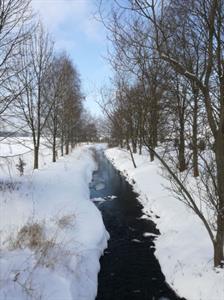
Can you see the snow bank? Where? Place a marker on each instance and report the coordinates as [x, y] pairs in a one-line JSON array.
[[183, 248], [52, 235]]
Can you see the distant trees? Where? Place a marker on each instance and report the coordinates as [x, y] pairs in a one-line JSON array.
[[168, 58], [72, 107], [40, 91], [54, 93], [63, 94], [52, 100], [87, 129]]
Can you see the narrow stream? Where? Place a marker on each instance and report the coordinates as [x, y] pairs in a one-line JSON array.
[[129, 269]]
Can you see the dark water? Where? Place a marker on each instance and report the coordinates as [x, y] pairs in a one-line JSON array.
[[129, 269]]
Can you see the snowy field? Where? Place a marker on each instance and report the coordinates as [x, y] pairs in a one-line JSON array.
[[52, 235], [183, 248]]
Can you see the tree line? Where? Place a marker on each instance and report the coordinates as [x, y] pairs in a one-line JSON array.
[[168, 96], [40, 89]]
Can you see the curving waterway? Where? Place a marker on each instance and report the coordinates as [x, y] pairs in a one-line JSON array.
[[129, 268]]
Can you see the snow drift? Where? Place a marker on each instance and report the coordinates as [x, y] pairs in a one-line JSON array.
[[52, 235]]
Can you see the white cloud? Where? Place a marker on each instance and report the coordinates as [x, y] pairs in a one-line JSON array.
[[72, 14]]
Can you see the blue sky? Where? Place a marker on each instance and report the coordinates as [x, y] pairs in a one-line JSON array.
[[74, 29]]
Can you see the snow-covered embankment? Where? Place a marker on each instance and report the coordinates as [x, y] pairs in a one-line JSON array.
[[52, 235], [183, 248]]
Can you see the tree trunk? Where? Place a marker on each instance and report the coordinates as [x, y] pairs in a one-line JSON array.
[[195, 134], [152, 156], [151, 149], [181, 150], [134, 146], [140, 146], [62, 145], [132, 157], [195, 161], [54, 150], [155, 127], [219, 243], [36, 157], [67, 148], [121, 143]]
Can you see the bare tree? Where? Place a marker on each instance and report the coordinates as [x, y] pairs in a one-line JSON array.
[[15, 28], [187, 36], [207, 19], [36, 55], [72, 106], [55, 89]]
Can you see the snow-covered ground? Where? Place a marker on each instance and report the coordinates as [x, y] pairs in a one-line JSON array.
[[183, 248], [52, 235]]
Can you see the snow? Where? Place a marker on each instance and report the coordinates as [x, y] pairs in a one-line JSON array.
[[149, 234], [136, 240], [184, 249], [72, 237], [100, 186]]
